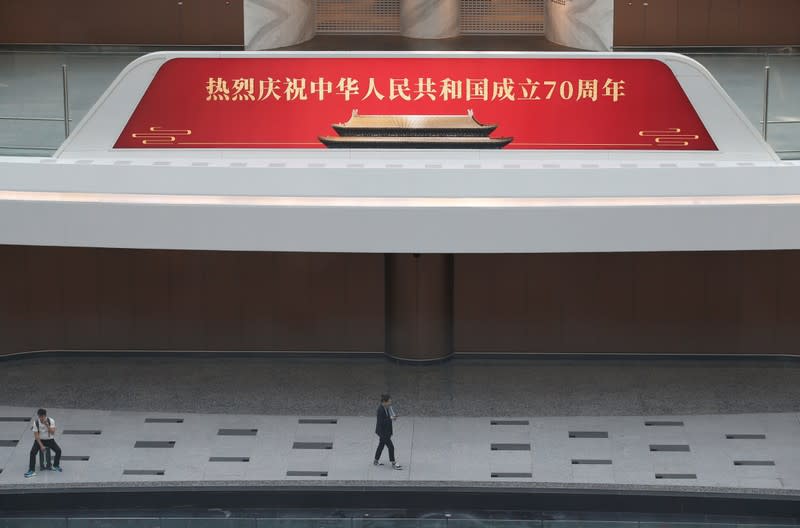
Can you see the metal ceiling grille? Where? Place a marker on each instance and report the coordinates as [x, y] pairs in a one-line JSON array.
[[502, 17], [358, 16]]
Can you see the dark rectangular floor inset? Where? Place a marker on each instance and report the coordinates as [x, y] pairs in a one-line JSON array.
[[510, 447], [82, 432], [676, 476], [670, 447], [588, 434], [9, 443], [510, 422], [15, 418], [143, 472], [229, 459], [163, 420], [590, 461], [76, 458], [663, 423], [753, 462], [164, 444], [326, 421], [746, 436], [512, 475], [292, 473], [312, 445], [237, 432]]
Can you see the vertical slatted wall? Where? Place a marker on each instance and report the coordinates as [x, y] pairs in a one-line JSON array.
[[358, 16], [502, 17]]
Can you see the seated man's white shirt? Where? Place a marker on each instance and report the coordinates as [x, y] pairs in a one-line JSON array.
[[43, 428]]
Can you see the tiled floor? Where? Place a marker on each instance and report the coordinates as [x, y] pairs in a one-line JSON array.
[[462, 387], [700, 450]]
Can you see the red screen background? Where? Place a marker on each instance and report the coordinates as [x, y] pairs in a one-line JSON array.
[[654, 105]]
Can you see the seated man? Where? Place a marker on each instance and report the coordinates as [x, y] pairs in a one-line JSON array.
[[44, 430]]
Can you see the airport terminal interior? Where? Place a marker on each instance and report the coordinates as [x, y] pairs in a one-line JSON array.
[[546, 251]]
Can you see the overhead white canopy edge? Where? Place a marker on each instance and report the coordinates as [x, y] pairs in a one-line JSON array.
[[739, 198]]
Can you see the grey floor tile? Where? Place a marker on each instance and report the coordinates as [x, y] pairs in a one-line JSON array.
[[431, 449], [351, 468], [760, 483], [267, 466], [276, 386], [430, 465], [592, 474]]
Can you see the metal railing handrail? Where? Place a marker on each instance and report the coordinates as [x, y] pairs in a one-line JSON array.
[[445, 519], [23, 118], [27, 147], [765, 119], [65, 86], [765, 122], [783, 122]]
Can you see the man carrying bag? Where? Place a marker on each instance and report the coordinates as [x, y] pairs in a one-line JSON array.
[[44, 430], [383, 428]]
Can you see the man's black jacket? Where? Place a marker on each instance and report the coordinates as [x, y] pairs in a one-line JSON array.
[[383, 426]]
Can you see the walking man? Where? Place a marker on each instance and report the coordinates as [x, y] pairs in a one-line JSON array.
[[383, 428], [44, 431]]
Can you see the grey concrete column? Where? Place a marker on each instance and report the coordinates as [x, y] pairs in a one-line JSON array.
[[430, 19], [277, 23], [419, 307], [581, 24]]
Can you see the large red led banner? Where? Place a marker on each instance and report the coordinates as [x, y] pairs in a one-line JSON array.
[[426, 102]]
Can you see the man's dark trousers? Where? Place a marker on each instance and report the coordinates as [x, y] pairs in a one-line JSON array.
[[35, 449], [385, 441]]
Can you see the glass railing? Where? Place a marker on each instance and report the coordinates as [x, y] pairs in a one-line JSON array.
[[38, 90], [763, 85], [36, 94]]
